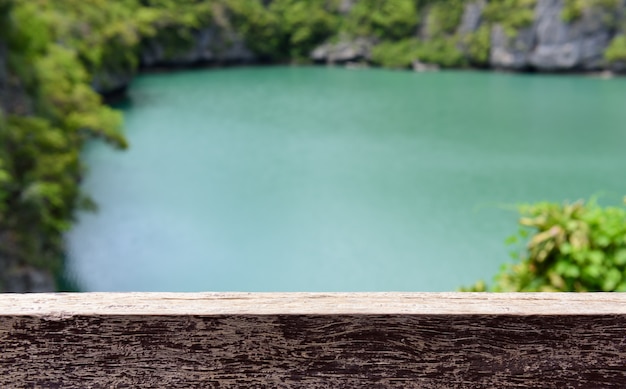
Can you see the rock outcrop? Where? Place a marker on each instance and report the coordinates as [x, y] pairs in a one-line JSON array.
[[345, 51], [219, 45], [554, 44], [213, 44], [472, 17], [550, 42], [511, 52]]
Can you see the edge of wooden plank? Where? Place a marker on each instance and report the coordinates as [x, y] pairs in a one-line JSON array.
[[59, 305]]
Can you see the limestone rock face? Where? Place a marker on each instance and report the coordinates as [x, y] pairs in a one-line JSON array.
[[561, 46], [553, 44], [511, 52], [472, 17], [17, 277], [28, 279], [346, 6], [419, 66], [111, 81], [211, 44], [358, 49]]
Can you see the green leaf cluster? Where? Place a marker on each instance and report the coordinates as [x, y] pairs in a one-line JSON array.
[[478, 45], [440, 47], [616, 52], [286, 29], [511, 14], [40, 167], [386, 20], [444, 17], [573, 9], [401, 54], [568, 247]]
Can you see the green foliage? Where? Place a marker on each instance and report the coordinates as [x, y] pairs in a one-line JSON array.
[[511, 14], [444, 17], [286, 29], [571, 247], [39, 159], [387, 20], [440, 47], [477, 45], [5, 176], [616, 52], [172, 22], [396, 54], [573, 9], [401, 54]]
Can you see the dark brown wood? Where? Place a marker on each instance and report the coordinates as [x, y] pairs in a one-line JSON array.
[[64, 341]]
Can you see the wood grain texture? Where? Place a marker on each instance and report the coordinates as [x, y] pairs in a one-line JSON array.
[[383, 340]]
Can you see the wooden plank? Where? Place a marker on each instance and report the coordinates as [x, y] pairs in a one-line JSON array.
[[305, 340], [51, 304]]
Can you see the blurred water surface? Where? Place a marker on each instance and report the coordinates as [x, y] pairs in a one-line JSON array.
[[326, 179]]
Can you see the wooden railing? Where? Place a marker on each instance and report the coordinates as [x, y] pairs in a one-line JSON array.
[[308, 340]]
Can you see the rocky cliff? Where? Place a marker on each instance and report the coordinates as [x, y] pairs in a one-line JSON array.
[[557, 36], [517, 35], [552, 43]]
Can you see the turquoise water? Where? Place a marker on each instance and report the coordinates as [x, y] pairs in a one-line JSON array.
[[326, 179]]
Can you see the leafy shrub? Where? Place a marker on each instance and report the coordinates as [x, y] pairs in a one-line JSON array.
[[570, 247], [387, 20], [444, 18], [511, 14], [401, 54], [396, 54], [286, 29], [616, 52], [477, 45], [573, 9], [39, 150]]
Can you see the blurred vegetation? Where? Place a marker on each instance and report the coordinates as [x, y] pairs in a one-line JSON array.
[[574, 9], [478, 45], [286, 29], [570, 247], [402, 54], [54, 112], [385, 20], [511, 14], [616, 52], [439, 46], [55, 50]]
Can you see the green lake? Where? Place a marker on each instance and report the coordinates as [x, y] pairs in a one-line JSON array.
[[327, 179]]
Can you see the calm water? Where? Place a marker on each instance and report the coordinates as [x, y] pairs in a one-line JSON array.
[[320, 179]]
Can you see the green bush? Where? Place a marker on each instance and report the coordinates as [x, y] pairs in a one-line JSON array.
[[570, 247], [573, 9], [400, 54], [477, 45], [443, 52], [444, 18], [40, 167], [286, 29], [387, 20], [511, 14], [616, 52]]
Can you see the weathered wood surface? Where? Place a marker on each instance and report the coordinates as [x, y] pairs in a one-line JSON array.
[[304, 340]]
